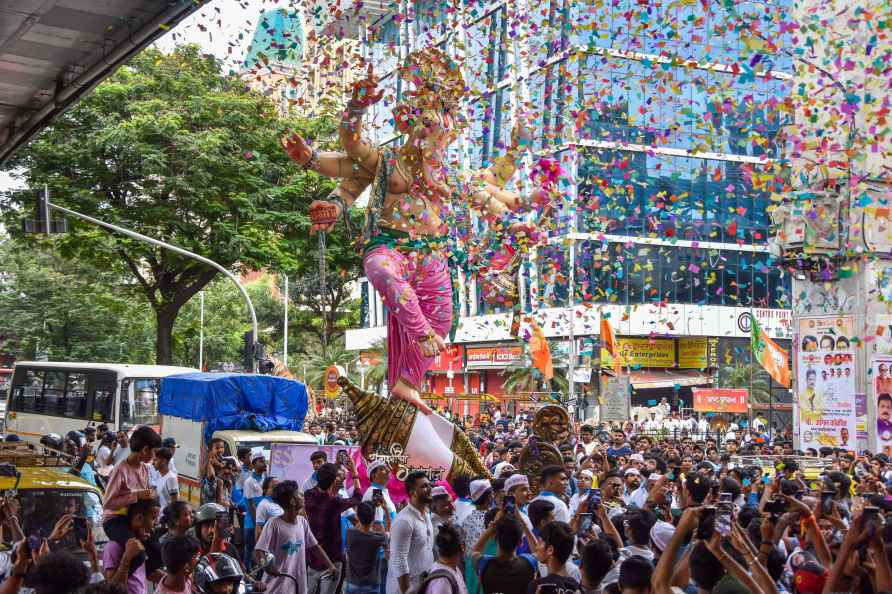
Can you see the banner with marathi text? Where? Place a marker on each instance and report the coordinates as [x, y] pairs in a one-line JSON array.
[[730, 400]]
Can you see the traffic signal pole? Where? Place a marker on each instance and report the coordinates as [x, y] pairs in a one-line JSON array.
[[172, 248]]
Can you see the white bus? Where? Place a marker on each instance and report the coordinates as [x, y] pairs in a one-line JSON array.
[[47, 397]]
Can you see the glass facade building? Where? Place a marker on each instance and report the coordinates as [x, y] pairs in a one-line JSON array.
[[665, 115]]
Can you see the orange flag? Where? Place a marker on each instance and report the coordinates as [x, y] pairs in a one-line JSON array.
[[608, 341], [771, 356], [540, 352]]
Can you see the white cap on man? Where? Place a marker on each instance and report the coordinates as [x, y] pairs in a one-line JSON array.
[[440, 491], [479, 488], [375, 465], [515, 480]]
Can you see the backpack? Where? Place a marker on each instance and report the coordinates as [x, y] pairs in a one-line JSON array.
[[485, 559], [439, 573]]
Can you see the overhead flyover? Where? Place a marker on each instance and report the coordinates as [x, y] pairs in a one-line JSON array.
[[53, 52]]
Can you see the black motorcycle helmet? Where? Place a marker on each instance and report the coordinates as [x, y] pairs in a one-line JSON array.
[[214, 568]]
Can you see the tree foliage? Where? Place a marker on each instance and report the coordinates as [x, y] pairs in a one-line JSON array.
[[171, 147], [521, 376], [69, 310], [752, 377]]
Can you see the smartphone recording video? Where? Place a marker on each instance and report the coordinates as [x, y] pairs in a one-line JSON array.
[[723, 512], [509, 504]]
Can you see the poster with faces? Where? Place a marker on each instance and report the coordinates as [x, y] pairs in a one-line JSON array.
[[826, 396], [881, 381]]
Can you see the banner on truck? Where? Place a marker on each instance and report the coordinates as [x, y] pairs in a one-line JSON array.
[[291, 461], [826, 396]]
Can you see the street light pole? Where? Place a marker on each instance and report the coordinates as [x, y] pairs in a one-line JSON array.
[[285, 329], [201, 331], [178, 250]]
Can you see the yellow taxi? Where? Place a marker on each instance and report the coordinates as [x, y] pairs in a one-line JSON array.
[[39, 489]]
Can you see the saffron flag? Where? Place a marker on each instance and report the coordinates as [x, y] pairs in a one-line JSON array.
[[608, 341], [540, 352], [770, 356]]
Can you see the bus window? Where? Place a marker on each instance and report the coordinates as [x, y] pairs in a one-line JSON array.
[[53, 393], [76, 396], [27, 387], [139, 401], [103, 403]]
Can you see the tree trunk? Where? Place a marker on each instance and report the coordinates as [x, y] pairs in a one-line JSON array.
[[164, 321]]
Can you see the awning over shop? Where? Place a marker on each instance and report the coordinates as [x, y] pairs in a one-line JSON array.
[[668, 378]]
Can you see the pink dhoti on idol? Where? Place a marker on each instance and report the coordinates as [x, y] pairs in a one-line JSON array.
[[414, 281], [416, 288]]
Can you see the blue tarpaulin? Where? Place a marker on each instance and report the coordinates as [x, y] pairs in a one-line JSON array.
[[235, 401]]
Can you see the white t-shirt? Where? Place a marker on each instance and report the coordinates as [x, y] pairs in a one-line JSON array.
[[561, 511], [120, 455], [267, 510], [253, 487], [441, 585], [102, 455], [165, 486]]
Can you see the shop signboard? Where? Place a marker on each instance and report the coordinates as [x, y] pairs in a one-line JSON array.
[[615, 398], [449, 359], [727, 400], [826, 398], [496, 356], [643, 352], [693, 353]]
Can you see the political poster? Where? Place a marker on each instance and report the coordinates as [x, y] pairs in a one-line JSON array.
[[881, 380], [828, 333], [826, 396], [615, 398]]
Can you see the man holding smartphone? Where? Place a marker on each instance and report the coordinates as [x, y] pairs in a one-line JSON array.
[[379, 476]]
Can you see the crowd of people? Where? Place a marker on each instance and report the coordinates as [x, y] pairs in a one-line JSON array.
[[626, 512]]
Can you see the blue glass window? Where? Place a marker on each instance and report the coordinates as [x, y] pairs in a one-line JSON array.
[[486, 52], [553, 267], [549, 29], [633, 274], [384, 38], [635, 193]]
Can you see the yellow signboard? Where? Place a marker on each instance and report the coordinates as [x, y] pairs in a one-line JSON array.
[[692, 353], [643, 352]]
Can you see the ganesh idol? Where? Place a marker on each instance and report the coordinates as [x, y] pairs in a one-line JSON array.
[[409, 238]]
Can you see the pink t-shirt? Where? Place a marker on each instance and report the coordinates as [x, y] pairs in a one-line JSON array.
[[288, 543], [111, 557], [162, 589], [123, 483]]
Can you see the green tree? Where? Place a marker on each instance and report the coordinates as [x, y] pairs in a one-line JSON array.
[[376, 374], [171, 147], [319, 359], [752, 377], [521, 376], [69, 310]]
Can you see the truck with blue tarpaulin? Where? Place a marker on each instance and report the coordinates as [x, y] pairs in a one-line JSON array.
[[244, 410]]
